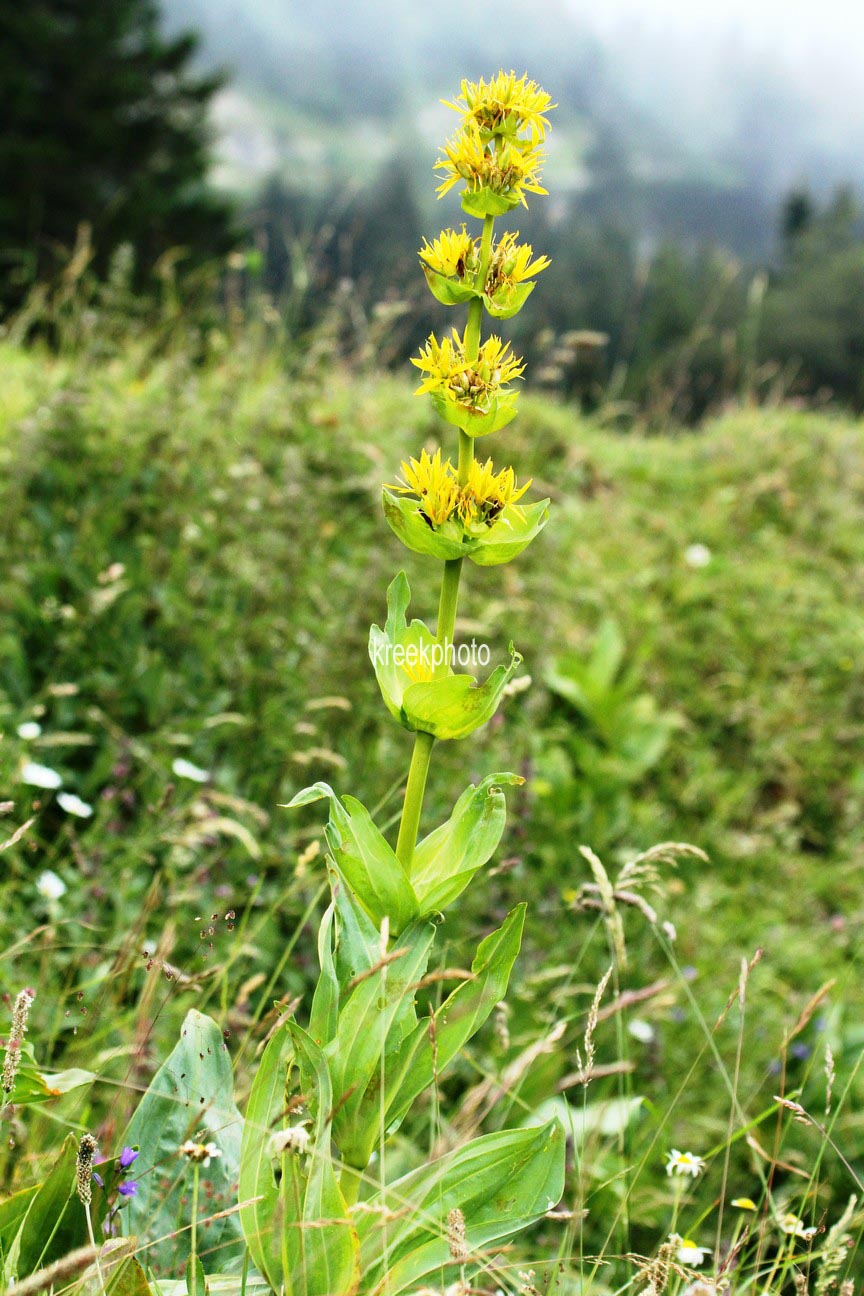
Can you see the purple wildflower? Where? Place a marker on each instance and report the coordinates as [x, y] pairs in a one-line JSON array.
[[128, 1188], [127, 1156]]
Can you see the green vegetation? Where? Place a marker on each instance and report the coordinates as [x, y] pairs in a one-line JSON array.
[[179, 537]]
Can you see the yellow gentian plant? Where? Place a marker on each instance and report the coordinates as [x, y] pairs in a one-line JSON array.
[[319, 1215]]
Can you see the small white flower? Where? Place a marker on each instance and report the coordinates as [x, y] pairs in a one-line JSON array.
[[697, 555], [690, 1254], [40, 776], [641, 1030], [294, 1139], [185, 769], [684, 1163], [50, 886], [201, 1153], [73, 805], [29, 730], [669, 930]]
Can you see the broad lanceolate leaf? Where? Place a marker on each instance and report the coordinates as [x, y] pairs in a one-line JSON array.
[[446, 861], [54, 1223], [293, 1213], [191, 1093], [501, 1183], [420, 1060], [364, 859], [374, 1020]]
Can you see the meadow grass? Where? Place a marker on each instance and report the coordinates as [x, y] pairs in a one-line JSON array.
[[178, 541]]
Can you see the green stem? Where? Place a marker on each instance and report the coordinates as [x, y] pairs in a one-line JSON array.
[[193, 1258], [413, 802], [475, 309], [349, 1182]]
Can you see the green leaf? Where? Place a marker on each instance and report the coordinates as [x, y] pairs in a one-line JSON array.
[[128, 1279], [446, 861], [191, 1093], [476, 423], [55, 1222], [447, 290], [406, 521], [456, 706], [446, 705], [32, 1085], [512, 532], [364, 859], [457, 1020], [324, 1013], [292, 1210], [196, 1279], [501, 1183], [483, 202], [12, 1211], [508, 301], [376, 1018]]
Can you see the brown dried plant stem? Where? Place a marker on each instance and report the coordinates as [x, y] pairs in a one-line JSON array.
[[420, 759]]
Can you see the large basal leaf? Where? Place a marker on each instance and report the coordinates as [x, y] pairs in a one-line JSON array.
[[457, 1020], [501, 1183], [191, 1093], [294, 1216], [364, 859], [373, 1022], [446, 861]]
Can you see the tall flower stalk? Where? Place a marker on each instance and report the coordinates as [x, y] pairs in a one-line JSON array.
[[317, 1219]]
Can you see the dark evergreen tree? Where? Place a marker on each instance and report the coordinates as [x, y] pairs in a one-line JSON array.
[[104, 123]]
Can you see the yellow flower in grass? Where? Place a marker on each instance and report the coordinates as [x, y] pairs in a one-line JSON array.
[[486, 493], [511, 263], [504, 105], [509, 169], [453, 253], [470, 383], [434, 483]]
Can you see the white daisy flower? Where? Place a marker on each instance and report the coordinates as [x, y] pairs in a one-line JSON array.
[[50, 886], [40, 776], [186, 770], [201, 1153], [29, 730], [684, 1163], [73, 805], [690, 1254]]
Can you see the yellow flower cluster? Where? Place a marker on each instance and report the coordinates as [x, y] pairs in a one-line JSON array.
[[436, 485], [498, 147], [504, 105], [472, 384], [510, 168]]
